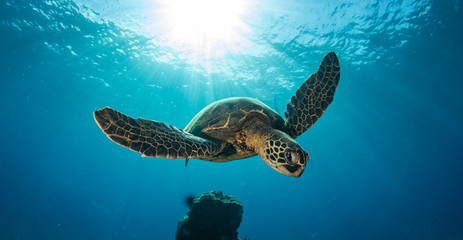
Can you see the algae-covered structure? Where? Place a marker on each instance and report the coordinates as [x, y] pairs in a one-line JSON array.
[[212, 216]]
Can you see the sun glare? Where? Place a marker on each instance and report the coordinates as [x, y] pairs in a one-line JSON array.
[[204, 27]]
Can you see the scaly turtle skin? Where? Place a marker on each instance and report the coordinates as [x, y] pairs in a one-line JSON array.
[[233, 128]]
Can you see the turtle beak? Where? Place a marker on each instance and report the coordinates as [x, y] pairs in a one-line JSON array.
[[294, 170], [297, 162]]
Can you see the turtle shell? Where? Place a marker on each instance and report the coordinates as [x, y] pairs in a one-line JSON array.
[[221, 120]]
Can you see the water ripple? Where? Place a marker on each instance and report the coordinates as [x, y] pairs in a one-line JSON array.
[[287, 38]]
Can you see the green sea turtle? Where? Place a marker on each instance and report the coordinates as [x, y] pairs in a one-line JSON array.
[[233, 128]]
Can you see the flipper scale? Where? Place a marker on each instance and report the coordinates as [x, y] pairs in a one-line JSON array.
[[152, 138], [313, 97]]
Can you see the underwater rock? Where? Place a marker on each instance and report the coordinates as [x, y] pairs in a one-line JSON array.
[[212, 216]]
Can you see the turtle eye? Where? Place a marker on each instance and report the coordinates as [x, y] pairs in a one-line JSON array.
[[288, 155]]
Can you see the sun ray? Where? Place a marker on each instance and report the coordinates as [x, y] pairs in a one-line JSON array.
[[202, 30]]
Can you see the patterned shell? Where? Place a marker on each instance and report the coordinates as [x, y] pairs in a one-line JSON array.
[[223, 117]]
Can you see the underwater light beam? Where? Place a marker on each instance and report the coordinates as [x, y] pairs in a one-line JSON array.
[[203, 26]]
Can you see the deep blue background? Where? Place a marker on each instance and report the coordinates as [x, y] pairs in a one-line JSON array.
[[385, 162]]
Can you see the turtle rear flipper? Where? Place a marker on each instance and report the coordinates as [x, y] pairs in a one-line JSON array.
[[313, 97], [153, 139]]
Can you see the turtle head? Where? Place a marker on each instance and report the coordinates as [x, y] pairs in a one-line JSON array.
[[283, 154]]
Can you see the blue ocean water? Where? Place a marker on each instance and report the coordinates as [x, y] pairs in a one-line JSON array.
[[385, 159]]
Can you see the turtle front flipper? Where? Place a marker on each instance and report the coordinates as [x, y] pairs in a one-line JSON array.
[[153, 139], [313, 97]]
